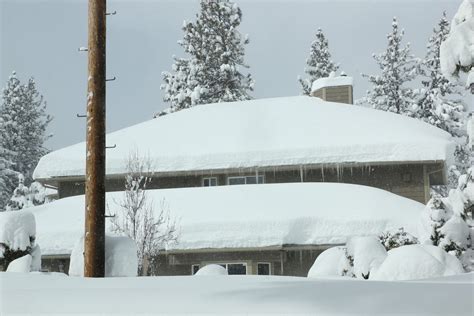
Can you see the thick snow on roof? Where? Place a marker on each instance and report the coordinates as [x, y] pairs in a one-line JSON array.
[[332, 82], [265, 132], [246, 216]]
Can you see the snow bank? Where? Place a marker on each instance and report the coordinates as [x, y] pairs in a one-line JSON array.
[[330, 262], [277, 132], [120, 257], [458, 48], [16, 229], [22, 265], [249, 215], [368, 254], [417, 262], [242, 295], [212, 269], [331, 82]]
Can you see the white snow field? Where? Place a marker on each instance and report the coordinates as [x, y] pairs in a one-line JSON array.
[[265, 132], [40, 294], [242, 216]]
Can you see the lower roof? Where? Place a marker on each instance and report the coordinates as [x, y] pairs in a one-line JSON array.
[[247, 216]]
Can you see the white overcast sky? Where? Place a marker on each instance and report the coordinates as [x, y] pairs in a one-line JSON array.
[[40, 38]]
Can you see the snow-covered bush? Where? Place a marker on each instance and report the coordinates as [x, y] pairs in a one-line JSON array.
[[331, 262], [394, 239], [120, 257], [367, 253], [25, 197], [416, 262], [22, 264], [17, 237], [211, 269]]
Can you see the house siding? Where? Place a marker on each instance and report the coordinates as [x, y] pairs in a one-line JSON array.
[[340, 94], [406, 180]]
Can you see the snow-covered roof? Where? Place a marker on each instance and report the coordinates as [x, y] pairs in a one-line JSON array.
[[262, 133], [331, 82], [248, 216]]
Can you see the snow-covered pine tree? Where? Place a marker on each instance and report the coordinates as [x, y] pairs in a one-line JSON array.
[[6, 175], [20, 196], [24, 117], [212, 72], [319, 63], [440, 103], [390, 91]]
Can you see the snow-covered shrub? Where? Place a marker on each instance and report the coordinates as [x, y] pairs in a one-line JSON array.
[[331, 262], [22, 264], [17, 235], [394, 239], [416, 262], [211, 269], [120, 257], [25, 197], [367, 253]]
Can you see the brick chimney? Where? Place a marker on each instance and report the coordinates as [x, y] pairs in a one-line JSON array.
[[334, 88]]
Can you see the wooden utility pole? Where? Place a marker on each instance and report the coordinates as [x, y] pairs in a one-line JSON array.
[[94, 239]]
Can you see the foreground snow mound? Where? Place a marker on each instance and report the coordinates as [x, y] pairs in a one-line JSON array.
[[368, 253], [212, 269], [330, 262], [17, 230], [120, 257], [22, 264], [417, 262]]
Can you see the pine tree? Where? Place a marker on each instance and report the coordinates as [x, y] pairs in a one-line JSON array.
[[212, 72], [319, 63], [6, 175], [440, 104], [24, 117], [399, 67]]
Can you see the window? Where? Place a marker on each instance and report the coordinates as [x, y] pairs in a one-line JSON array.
[[246, 180], [263, 268], [209, 182], [235, 268], [194, 269]]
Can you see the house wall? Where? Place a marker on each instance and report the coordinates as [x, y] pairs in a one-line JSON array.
[[410, 181], [340, 94]]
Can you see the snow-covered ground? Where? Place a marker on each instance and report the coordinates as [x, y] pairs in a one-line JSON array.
[[36, 294], [249, 215], [264, 132]]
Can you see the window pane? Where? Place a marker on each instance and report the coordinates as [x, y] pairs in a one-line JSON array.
[[263, 269], [236, 268], [195, 268], [205, 182], [251, 180], [213, 182], [239, 180], [261, 179]]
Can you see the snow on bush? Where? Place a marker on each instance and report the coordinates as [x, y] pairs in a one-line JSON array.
[[17, 231], [417, 262], [393, 239], [22, 264], [331, 262], [212, 269], [457, 51], [120, 257], [367, 253]]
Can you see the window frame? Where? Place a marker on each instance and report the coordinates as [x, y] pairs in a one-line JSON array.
[[269, 268], [226, 263], [262, 176]]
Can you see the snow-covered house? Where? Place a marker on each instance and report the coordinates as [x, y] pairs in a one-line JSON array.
[[279, 140]]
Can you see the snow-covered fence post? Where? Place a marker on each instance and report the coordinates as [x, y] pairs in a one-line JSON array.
[[94, 241]]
